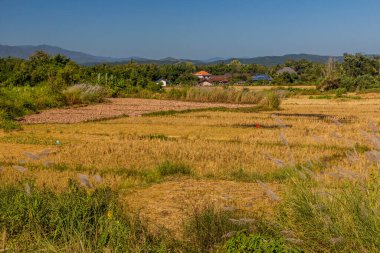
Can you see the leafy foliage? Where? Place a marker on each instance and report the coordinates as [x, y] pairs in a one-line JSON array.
[[243, 242]]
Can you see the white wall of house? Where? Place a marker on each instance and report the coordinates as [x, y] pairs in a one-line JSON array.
[[162, 82]]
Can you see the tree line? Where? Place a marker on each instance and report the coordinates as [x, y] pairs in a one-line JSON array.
[[355, 72]]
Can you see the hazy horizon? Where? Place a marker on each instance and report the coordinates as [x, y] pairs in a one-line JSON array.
[[194, 29], [209, 58]]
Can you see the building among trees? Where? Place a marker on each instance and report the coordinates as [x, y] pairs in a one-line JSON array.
[[287, 70], [262, 77], [202, 74]]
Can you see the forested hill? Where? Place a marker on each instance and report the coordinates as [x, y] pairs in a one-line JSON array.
[[277, 60], [24, 52]]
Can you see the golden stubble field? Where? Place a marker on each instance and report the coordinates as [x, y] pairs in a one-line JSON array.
[[226, 151]]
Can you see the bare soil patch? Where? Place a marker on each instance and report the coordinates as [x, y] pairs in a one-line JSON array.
[[169, 204], [116, 107]]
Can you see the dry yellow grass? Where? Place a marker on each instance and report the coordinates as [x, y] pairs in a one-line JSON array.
[[268, 87], [216, 145], [170, 203]]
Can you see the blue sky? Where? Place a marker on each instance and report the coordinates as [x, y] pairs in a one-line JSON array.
[[197, 29]]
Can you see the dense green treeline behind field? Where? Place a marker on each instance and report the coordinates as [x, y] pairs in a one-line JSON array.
[[355, 72]]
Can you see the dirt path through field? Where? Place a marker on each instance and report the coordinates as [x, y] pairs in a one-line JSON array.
[[116, 107]]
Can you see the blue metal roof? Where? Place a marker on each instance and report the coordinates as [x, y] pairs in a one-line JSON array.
[[261, 77]]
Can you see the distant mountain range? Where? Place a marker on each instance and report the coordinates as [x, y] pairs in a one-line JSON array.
[[87, 59]]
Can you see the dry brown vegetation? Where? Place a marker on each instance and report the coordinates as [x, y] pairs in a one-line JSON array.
[[116, 107], [227, 153]]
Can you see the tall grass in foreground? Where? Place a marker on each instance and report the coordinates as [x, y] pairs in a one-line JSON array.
[[336, 210], [78, 220], [343, 217]]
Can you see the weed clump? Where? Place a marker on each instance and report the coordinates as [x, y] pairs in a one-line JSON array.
[[84, 94], [343, 218], [245, 242], [271, 101], [9, 125], [209, 227], [168, 168]]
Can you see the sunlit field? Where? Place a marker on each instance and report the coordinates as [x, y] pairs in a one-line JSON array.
[[234, 160]]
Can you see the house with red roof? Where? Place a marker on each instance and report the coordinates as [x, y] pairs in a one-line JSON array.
[[202, 74]]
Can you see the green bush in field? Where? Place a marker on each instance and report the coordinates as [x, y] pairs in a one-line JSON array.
[[9, 125], [72, 221], [207, 228], [340, 92], [18, 101], [246, 243], [168, 168]]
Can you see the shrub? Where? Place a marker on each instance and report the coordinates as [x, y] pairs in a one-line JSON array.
[[348, 83], [271, 101], [243, 242], [365, 82], [168, 168], [84, 94], [339, 92], [18, 101], [9, 125], [208, 227]]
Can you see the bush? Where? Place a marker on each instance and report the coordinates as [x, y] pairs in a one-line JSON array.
[[329, 84], [168, 168], [84, 94], [243, 242], [9, 125], [18, 101], [366, 82], [271, 101], [208, 227], [348, 83], [339, 92], [286, 78]]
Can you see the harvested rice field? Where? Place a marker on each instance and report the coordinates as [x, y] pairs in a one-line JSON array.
[[233, 160], [116, 107]]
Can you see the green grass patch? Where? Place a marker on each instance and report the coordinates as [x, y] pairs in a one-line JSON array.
[[28, 139], [9, 125], [207, 228], [251, 109], [322, 97], [168, 168], [245, 242], [74, 221]]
